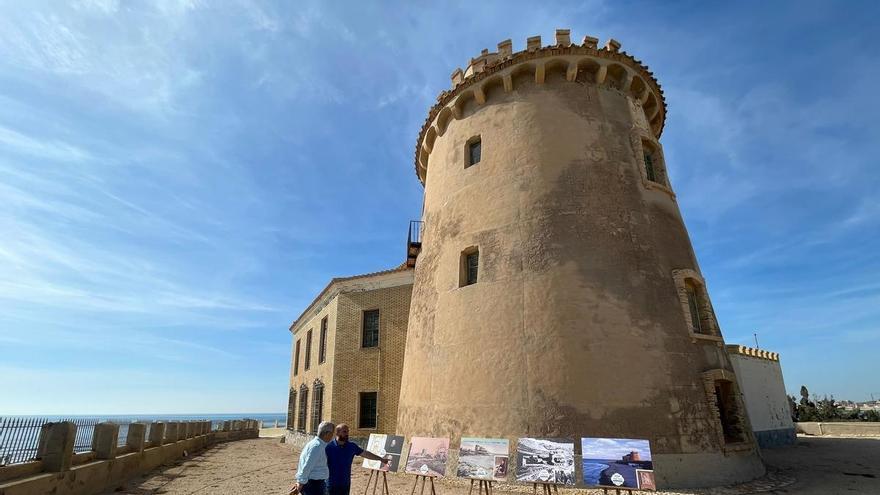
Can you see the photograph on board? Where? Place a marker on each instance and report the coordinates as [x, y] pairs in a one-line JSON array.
[[483, 458], [618, 463], [545, 460], [427, 456]]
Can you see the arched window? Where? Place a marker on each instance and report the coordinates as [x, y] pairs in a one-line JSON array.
[[654, 170], [303, 408], [291, 409], [317, 405], [696, 308]]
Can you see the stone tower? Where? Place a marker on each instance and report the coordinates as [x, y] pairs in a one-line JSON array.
[[557, 293]]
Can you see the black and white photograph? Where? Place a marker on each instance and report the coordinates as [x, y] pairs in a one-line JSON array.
[[545, 460], [483, 458]]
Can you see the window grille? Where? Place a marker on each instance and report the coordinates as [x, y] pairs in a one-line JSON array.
[[371, 328], [472, 262], [367, 416], [474, 152], [317, 405], [693, 304], [322, 343], [308, 360], [649, 168], [291, 409], [303, 408]]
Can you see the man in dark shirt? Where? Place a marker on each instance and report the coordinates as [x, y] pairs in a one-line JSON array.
[[340, 454]]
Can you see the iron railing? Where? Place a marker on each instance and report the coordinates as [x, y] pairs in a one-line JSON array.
[[19, 438], [415, 233]]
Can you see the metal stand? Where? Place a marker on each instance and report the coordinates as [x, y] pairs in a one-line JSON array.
[[548, 488], [485, 487], [628, 491], [424, 479], [374, 480]]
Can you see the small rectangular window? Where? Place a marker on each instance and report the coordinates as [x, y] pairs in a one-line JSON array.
[[474, 150], [470, 267], [370, 337], [308, 360], [367, 416], [296, 359], [696, 324], [322, 344], [649, 168]]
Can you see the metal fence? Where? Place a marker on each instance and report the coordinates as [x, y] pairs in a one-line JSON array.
[[19, 438]]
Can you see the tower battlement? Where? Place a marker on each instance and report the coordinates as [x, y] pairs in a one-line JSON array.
[[607, 67]]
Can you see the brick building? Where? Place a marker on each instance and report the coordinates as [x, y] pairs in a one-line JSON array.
[[347, 353]]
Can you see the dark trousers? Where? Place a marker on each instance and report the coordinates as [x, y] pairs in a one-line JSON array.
[[314, 487], [339, 489]]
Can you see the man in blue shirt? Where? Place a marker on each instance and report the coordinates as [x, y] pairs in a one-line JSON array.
[[312, 472], [340, 454]]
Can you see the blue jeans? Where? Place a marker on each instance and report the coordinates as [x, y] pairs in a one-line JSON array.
[[339, 489], [314, 487]]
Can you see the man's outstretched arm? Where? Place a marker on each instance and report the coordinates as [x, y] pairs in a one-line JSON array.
[[366, 454]]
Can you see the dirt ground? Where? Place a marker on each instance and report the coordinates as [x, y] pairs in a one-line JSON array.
[[826, 466]]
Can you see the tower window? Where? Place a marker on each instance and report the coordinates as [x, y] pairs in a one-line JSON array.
[[469, 269], [655, 171], [368, 410], [649, 167], [322, 343], [696, 308], [370, 330], [474, 151], [308, 360], [728, 412]]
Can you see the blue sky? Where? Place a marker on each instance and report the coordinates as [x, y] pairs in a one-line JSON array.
[[614, 448], [178, 179]]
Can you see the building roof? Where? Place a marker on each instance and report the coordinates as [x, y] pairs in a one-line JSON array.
[[334, 286]]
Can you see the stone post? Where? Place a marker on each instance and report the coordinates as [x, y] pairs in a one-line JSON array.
[[135, 438], [56, 446], [157, 434], [227, 425], [105, 440], [181, 430], [188, 429], [170, 432]]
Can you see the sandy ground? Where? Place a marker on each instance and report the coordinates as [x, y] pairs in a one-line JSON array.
[[826, 466]]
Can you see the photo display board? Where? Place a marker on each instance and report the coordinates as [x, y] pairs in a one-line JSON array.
[[427, 456], [483, 458], [545, 460], [618, 463], [390, 446]]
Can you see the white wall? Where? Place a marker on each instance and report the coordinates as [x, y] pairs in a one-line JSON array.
[[760, 381]]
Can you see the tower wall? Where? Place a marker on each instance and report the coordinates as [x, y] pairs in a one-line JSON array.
[[575, 326]]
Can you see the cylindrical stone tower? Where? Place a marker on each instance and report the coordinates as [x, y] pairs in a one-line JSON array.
[[557, 293]]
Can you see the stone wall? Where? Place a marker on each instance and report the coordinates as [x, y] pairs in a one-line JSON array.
[[759, 375], [107, 466], [317, 372], [375, 369], [848, 429]]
